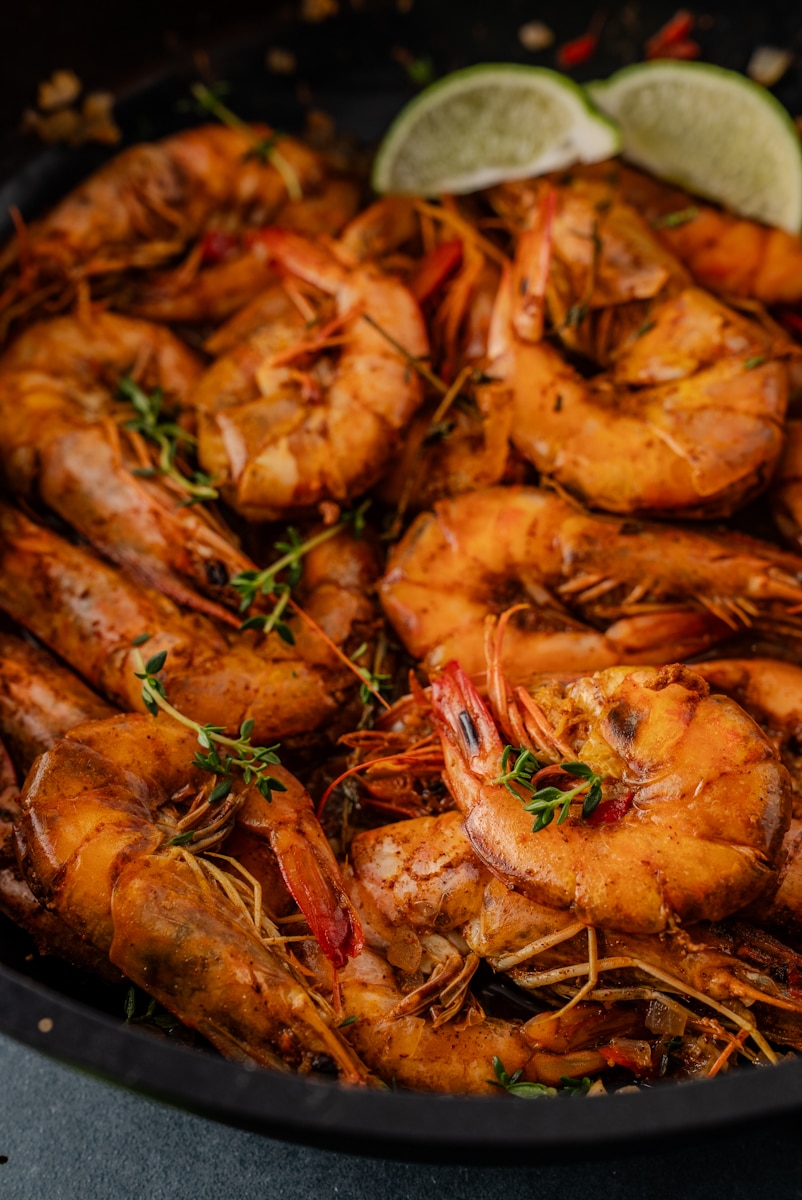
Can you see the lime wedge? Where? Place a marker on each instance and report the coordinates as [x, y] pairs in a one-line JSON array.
[[489, 123], [713, 132]]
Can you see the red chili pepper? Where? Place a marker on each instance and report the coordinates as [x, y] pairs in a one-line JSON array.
[[685, 49], [610, 811], [580, 50], [674, 34], [617, 1058], [435, 268], [794, 981], [215, 245]]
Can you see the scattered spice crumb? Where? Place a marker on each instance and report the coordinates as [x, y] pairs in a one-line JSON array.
[[60, 118], [61, 89], [280, 61], [3, 1159], [45, 1025], [318, 10], [535, 35], [768, 64], [320, 129]]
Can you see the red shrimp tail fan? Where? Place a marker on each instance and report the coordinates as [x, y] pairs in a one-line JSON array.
[[312, 877], [462, 716]]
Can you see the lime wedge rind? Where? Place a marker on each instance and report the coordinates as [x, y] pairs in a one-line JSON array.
[[711, 131], [488, 123]]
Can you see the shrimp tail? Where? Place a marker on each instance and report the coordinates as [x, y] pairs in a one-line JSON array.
[[306, 866]]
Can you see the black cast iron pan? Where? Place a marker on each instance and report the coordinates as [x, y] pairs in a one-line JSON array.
[[348, 65]]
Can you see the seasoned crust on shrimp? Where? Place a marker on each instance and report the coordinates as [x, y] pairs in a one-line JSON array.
[[675, 848], [292, 416], [652, 592], [685, 416]]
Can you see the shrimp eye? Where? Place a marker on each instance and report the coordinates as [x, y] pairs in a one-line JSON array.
[[469, 732]]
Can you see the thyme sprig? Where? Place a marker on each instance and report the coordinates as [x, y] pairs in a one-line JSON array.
[[263, 148], [168, 436], [515, 1085], [249, 585], [239, 754], [374, 680], [546, 802]]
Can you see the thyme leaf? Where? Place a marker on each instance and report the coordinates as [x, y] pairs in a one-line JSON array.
[[517, 1086], [225, 755], [278, 580], [264, 149], [547, 802], [167, 436]]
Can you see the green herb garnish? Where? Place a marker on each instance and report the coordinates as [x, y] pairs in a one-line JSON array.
[[238, 754], [757, 361], [546, 801], [168, 436], [264, 149], [374, 681], [575, 1087], [252, 584], [673, 220], [511, 1084]]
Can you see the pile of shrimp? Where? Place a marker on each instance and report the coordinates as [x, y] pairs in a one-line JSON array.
[[525, 665]]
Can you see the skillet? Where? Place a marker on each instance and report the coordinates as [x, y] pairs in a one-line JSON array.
[[348, 66]]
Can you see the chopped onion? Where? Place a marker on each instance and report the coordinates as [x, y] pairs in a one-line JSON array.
[[535, 35], [664, 1017], [768, 64]]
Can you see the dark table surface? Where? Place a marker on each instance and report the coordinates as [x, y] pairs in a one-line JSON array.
[[67, 1136]]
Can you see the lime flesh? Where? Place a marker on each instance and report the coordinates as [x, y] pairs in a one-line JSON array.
[[489, 123], [711, 131]]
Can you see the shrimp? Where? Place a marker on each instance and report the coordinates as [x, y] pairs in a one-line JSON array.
[[284, 423], [723, 252], [280, 843], [143, 207], [101, 859], [39, 700], [90, 614], [666, 846], [419, 882], [686, 415], [785, 496], [656, 592], [225, 271], [63, 441]]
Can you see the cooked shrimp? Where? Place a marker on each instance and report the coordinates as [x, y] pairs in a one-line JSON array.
[[90, 614], [63, 441], [286, 425], [101, 859], [225, 271], [280, 843], [667, 845], [39, 700], [420, 880], [142, 208], [786, 489], [656, 592], [687, 416], [723, 252]]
